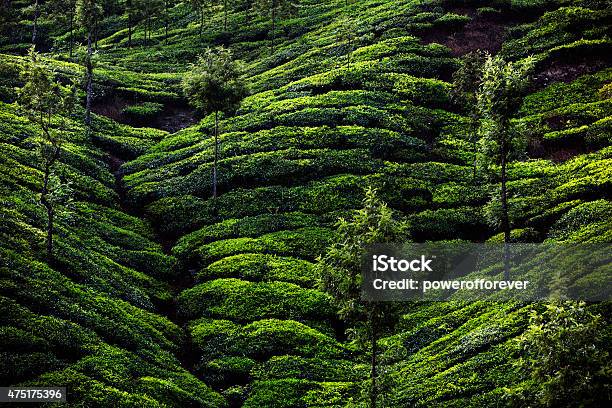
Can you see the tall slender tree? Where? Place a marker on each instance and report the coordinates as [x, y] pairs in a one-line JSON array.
[[166, 19], [41, 98], [277, 9], [214, 85], [199, 5], [131, 10], [340, 272], [346, 34], [150, 9], [466, 82], [499, 97], [225, 15], [36, 15], [88, 14], [63, 12]]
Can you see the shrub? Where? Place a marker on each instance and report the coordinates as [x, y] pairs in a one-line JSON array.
[[143, 111], [304, 242], [314, 369], [242, 227], [278, 393], [261, 267], [240, 300], [262, 339], [586, 222], [226, 370]]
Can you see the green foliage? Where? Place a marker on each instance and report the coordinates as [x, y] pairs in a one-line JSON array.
[[339, 268], [213, 84], [564, 358], [279, 393], [340, 272], [240, 300], [262, 267], [587, 222], [314, 369], [88, 13], [502, 89], [467, 79], [295, 156], [262, 339], [145, 110]]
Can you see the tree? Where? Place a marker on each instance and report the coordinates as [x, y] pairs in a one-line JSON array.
[[346, 33], [166, 19], [41, 97], [564, 358], [7, 16], [88, 13], [224, 15], [36, 14], [339, 270], [199, 6], [214, 85], [466, 82], [132, 10], [63, 11], [150, 8], [277, 8], [499, 98]]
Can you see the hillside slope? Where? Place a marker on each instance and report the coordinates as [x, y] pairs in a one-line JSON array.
[[162, 296]]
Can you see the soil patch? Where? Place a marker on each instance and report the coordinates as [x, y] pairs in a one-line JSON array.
[[483, 32], [480, 33], [173, 118], [568, 71]]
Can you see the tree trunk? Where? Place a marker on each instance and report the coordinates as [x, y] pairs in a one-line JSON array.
[[373, 373], [166, 23], [505, 221], [35, 28], [273, 21], [216, 155], [348, 55], [225, 15], [71, 34], [89, 85], [47, 204], [50, 223], [44, 199], [473, 135]]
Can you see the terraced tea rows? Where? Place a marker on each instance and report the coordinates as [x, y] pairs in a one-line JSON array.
[[164, 296]]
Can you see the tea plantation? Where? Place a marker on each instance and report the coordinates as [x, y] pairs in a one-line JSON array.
[[160, 295]]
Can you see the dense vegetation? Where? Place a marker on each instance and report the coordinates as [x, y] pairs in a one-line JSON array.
[[157, 292]]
